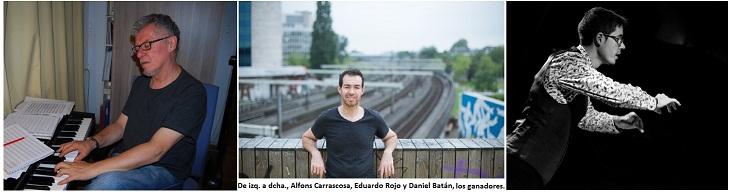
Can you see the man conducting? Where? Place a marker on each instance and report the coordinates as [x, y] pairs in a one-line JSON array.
[[350, 130], [561, 97], [159, 123]]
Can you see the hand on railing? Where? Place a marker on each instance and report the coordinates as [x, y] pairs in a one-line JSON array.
[[317, 166], [386, 168]]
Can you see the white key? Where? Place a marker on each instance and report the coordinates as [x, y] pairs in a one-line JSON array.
[[83, 129]]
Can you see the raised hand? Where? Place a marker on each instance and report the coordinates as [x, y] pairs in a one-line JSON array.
[[663, 101]]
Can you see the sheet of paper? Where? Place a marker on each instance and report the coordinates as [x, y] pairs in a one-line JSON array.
[[37, 106], [42, 126], [21, 149]]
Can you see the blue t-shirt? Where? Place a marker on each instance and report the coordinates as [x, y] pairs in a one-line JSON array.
[[349, 144]]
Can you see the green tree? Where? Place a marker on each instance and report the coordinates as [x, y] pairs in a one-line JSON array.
[[428, 53], [342, 49], [460, 65], [447, 59], [485, 77], [489, 70], [498, 58], [497, 54], [405, 55], [298, 59], [324, 41], [476, 58], [461, 46]]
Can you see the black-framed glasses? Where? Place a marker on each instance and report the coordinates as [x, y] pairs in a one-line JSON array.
[[619, 40], [146, 46]]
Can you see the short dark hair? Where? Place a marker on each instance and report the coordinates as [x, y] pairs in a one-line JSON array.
[[352, 72], [598, 19], [161, 21]]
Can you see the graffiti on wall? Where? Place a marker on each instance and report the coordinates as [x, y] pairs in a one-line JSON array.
[[480, 116]]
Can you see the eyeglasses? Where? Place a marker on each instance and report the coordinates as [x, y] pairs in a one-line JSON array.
[[619, 40], [146, 46]]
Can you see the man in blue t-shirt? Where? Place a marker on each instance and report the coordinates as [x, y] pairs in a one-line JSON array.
[[350, 131]]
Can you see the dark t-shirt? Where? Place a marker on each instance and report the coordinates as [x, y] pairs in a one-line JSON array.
[[349, 144], [180, 106]]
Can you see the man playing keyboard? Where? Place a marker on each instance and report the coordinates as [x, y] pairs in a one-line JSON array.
[[159, 123]]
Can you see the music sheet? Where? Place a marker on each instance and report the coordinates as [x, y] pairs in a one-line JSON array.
[[32, 105], [42, 126], [21, 149]]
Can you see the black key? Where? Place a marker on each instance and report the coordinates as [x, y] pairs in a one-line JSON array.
[[44, 140], [59, 141], [45, 171], [10, 183], [41, 178], [40, 183], [67, 134], [51, 157], [48, 181], [73, 122], [37, 187], [44, 168], [70, 128], [52, 161]]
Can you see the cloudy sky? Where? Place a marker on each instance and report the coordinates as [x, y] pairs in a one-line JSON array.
[[379, 27]]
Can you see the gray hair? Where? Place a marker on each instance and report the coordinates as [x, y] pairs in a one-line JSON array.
[[160, 20]]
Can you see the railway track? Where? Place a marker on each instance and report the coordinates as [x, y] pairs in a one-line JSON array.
[[418, 114]]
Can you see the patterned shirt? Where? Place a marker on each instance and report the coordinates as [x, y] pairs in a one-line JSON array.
[[570, 74]]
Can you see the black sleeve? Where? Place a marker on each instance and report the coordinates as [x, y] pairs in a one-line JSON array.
[[187, 116], [318, 128], [381, 128]]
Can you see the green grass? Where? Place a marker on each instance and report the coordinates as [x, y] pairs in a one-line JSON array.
[[499, 97], [457, 103]]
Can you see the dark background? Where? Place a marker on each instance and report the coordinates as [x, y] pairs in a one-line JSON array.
[[675, 48]]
